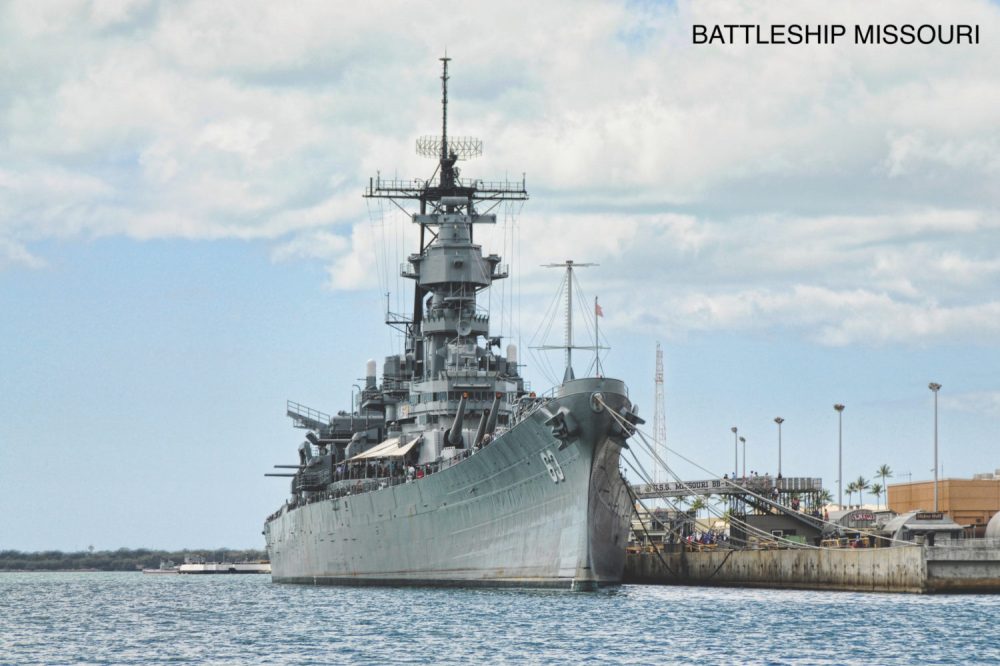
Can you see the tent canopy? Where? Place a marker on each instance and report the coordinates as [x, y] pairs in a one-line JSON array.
[[921, 521], [390, 448]]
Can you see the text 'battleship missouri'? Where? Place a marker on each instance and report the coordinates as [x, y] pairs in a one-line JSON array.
[[450, 472]]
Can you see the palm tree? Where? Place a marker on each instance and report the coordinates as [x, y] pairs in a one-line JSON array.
[[862, 484], [823, 498], [712, 509], [884, 472], [697, 505], [876, 491], [851, 488]]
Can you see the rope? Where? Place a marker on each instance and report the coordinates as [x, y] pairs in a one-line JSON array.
[[649, 538], [763, 498], [644, 475], [721, 564], [651, 450]]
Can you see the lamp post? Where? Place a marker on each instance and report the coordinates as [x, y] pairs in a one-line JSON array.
[[935, 388], [779, 421], [840, 454], [736, 452], [743, 441]]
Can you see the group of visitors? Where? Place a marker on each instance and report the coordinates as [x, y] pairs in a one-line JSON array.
[[382, 470], [706, 538]]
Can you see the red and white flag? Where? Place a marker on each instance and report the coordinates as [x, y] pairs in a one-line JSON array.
[[598, 312]]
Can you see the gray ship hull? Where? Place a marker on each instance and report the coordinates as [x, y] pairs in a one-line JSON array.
[[521, 511]]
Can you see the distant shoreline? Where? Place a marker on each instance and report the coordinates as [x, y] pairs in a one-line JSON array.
[[123, 559], [63, 571]]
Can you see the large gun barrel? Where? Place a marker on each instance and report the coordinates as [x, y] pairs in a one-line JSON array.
[[455, 434], [491, 425], [481, 430]]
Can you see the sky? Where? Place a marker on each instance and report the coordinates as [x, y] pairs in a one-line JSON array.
[[184, 245]]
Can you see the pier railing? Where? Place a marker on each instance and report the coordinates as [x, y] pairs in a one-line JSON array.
[[727, 486], [966, 544]]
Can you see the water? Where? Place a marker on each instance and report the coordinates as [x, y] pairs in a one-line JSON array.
[[124, 618]]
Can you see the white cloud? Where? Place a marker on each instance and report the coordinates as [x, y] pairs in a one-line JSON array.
[[826, 316], [913, 153], [355, 269], [847, 192], [13, 254], [920, 278], [315, 245], [108, 13], [68, 184], [975, 402], [242, 136]]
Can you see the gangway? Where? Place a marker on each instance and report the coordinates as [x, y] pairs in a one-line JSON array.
[[776, 507], [762, 485], [748, 499]]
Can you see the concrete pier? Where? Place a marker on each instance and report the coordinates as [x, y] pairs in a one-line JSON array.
[[917, 569]]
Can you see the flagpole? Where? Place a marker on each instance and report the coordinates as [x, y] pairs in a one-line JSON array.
[[597, 341]]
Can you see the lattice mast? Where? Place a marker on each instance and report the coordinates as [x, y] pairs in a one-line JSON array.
[[659, 420]]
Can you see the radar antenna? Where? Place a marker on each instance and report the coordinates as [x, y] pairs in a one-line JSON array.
[[440, 147], [462, 147]]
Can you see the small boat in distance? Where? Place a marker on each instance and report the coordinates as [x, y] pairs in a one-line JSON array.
[[198, 565], [166, 567]]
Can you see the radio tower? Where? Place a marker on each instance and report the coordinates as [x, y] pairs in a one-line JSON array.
[[659, 420]]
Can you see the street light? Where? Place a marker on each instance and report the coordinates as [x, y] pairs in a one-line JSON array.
[[736, 453], [779, 421], [743, 440], [935, 387], [840, 454]]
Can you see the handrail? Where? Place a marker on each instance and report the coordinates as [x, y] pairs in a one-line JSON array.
[[346, 487], [298, 409]]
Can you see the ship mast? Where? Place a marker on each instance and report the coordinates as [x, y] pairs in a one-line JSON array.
[[568, 346], [444, 109], [449, 208]]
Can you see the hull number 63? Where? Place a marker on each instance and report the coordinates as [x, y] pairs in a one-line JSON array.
[[551, 464]]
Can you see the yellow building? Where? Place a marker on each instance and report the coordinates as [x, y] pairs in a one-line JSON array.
[[968, 501]]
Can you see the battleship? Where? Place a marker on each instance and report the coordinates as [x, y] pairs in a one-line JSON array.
[[447, 470]]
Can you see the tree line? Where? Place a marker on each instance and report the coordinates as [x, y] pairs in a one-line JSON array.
[[123, 559]]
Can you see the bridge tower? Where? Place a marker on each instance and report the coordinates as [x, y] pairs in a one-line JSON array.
[[659, 421]]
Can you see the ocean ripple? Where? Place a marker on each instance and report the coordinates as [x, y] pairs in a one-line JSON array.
[[123, 618]]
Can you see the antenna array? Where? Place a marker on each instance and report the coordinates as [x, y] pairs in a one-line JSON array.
[[462, 147]]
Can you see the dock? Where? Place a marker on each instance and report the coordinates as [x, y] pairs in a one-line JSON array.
[[951, 567], [225, 568]]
